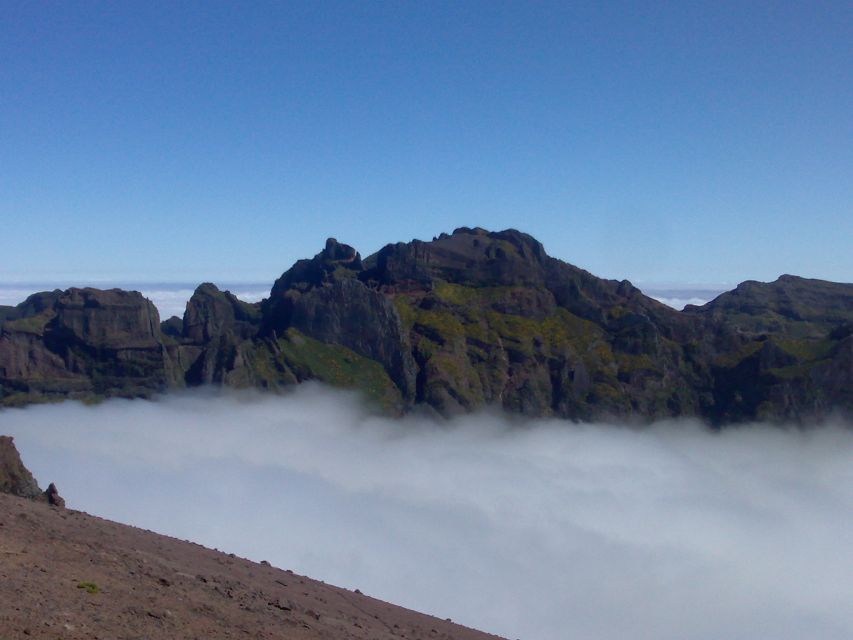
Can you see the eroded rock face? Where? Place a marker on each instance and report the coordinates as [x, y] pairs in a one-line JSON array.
[[82, 342], [335, 262], [113, 319], [493, 319], [217, 333], [211, 313], [347, 313], [324, 299]]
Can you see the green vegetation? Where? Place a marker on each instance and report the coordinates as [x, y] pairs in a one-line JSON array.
[[439, 325], [311, 359], [405, 308], [805, 349], [458, 294], [31, 324], [629, 362], [269, 371], [733, 358], [473, 340], [89, 587]]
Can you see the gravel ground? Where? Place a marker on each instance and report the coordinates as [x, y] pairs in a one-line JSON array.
[[66, 574]]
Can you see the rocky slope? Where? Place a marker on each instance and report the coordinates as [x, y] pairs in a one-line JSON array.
[[66, 574], [468, 320]]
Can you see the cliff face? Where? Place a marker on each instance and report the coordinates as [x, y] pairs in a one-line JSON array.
[[494, 320], [780, 349], [467, 320], [323, 299], [82, 343]]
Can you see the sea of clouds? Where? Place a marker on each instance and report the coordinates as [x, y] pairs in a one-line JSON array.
[[532, 529]]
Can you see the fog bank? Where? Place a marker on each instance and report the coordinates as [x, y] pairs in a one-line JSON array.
[[534, 530], [678, 298]]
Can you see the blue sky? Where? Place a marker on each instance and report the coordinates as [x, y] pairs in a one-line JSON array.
[[683, 142]]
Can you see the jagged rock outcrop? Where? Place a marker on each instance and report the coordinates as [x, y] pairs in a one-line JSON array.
[[323, 299], [468, 320], [16, 479], [335, 262], [211, 313], [216, 336], [51, 495]]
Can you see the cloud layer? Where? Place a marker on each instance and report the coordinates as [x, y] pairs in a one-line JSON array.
[[535, 530], [677, 298]]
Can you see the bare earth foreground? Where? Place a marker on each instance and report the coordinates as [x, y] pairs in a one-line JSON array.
[[67, 574]]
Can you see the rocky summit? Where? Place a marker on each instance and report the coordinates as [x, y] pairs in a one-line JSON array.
[[472, 319]]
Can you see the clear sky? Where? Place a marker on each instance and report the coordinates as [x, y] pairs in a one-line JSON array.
[[681, 142]]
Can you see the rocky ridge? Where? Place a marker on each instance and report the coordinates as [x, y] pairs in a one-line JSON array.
[[468, 320]]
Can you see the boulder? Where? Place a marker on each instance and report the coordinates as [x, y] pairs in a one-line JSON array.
[[51, 494]]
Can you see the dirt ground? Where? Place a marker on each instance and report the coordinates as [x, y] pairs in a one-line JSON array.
[[66, 574]]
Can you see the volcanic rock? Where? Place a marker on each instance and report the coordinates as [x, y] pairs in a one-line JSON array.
[[216, 335], [82, 343], [52, 496]]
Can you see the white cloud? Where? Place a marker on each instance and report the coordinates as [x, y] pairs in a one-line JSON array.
[[680, 303], [678, 297], [531, 529], [12, 296]]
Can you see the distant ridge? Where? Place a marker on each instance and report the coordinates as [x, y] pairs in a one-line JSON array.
[[468, 320]]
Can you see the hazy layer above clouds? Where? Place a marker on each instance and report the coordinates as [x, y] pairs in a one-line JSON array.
[[677, 298], [536, 530], [169, 298]]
